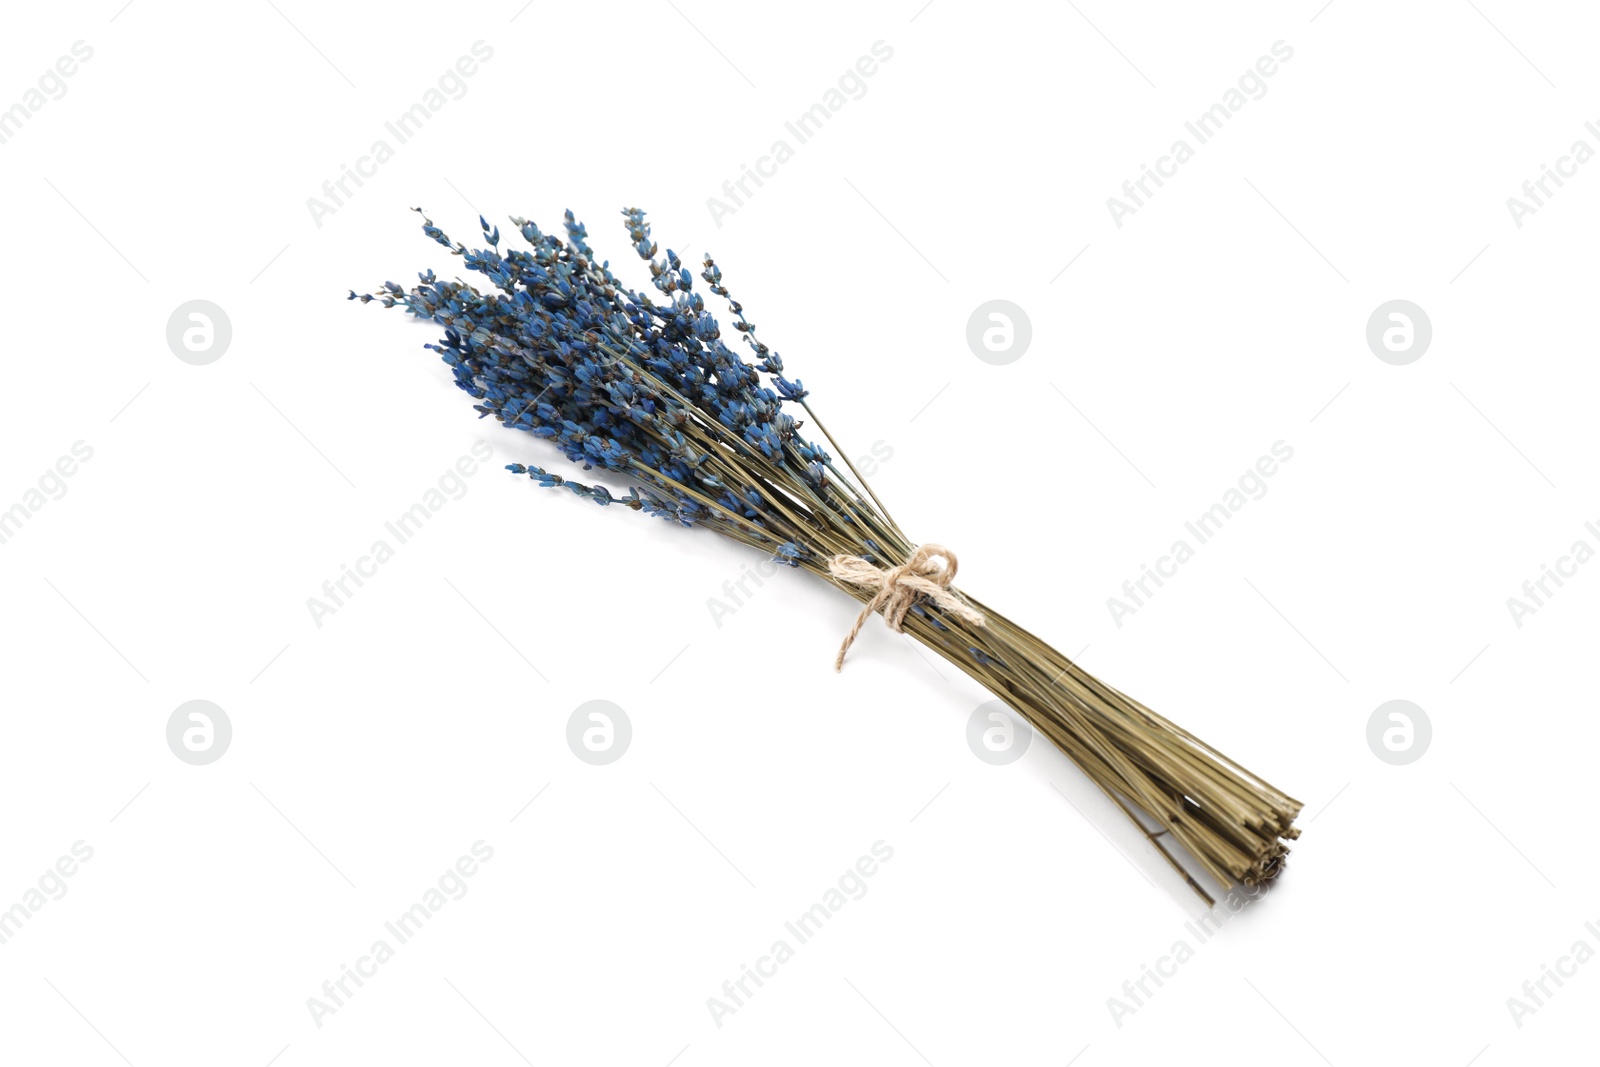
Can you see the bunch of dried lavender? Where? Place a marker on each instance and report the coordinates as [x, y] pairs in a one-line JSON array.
[[648, 390]]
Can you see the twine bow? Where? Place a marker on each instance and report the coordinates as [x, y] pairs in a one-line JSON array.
[[928, 573]]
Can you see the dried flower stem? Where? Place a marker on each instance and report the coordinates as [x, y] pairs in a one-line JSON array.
[[559, 348]]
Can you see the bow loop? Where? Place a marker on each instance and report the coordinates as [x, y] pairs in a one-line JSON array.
[[928, 573]]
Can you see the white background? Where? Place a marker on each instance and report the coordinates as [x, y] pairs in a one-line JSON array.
[[369, 753]]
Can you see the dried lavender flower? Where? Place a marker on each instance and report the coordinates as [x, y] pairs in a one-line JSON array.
[[647, 390]]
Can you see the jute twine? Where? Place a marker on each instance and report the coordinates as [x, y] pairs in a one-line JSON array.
[[928, 573]]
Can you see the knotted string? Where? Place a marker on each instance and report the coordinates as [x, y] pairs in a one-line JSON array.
[[928, 573]]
